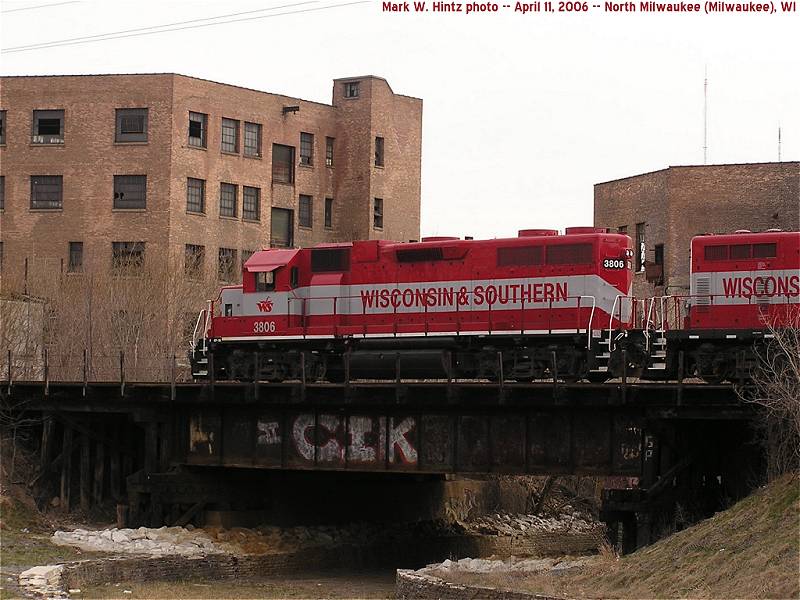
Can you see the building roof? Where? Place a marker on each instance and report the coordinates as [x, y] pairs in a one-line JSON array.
[[783, 163], [241, 87]]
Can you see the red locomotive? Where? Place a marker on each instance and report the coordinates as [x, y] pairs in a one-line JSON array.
[[520, 308], [539, 305], [743, 285]]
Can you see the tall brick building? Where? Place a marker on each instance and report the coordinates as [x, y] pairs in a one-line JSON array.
[[661, 211], [147, 167]]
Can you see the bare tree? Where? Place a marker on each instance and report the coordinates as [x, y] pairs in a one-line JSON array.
[[776, 388]]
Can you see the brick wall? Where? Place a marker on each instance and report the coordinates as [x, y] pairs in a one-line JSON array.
[[678, 203], [90, 158]]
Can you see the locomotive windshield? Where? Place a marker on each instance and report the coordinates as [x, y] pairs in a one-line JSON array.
[[265, 281]]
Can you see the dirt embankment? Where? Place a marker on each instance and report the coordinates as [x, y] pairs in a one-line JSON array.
[[751, 550]]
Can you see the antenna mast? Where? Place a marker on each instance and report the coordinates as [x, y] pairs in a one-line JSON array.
[[705, 116]]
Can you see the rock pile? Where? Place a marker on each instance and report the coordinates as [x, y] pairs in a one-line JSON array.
[[511, 565], [516, 524], [151, 542], [44, 581]]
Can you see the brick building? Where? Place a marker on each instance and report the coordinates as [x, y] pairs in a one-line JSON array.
[[146, 167], [661, 211]]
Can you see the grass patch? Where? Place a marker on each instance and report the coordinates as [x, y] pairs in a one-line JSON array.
[[751, 550]]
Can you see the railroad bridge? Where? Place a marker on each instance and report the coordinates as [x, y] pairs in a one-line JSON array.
[[164, 450]]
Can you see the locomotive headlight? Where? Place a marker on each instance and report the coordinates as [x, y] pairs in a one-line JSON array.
[[629, 253]]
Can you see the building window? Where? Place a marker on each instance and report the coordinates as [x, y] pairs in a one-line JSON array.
[[131, 125], [252, 139], [251, 203], [306, 148], [2, 127], [246, 254], [328, 213], [130, 191], [230, 135], [2, 192], [379, 152], [623, 229], [329, 151], [194, 261], [198, 128], [641, 248], [46, 191], [282, 163], [48, 127], [195, 195], [127, 256], [227, 200], [75, 262], [281, 228], [351, 89], [305, 216], [659, 254], [377, 213], [227, 264]]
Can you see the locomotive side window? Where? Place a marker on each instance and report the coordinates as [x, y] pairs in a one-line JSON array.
[[739, 251], [519, 255], [327, 260], [265, 281], [569, 254], [765, 250], [716, 252], [294, 277], [419, 255]]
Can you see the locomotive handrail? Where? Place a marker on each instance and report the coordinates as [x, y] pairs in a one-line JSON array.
[[425, 312]]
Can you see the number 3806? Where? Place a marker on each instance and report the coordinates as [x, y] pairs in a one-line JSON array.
[[264, 327], [614, 263]]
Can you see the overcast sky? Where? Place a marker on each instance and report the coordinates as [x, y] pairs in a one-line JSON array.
[[522, 113]]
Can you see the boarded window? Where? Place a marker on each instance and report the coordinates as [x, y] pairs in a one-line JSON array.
[[194, 261], [328, 213], [2, 192], [127, 256], [379, 157], [305, 217], [130, 191], [569, 254], [716, 253], [251, 203], [227, 264], [228, 202], [3, 127], [326, 260], [75, 262], [131, 125], [281, 228], [765, 250], [377, 213], [520, 255], [282, 164], [46, 191]]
